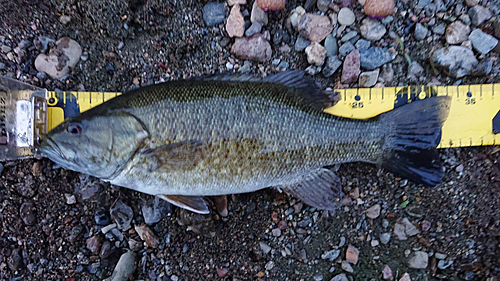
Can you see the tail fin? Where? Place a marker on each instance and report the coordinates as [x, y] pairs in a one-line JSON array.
[[414, 132]]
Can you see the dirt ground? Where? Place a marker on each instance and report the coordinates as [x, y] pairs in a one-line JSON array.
[[43, 237]]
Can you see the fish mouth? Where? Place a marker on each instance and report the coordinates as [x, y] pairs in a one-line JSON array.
[[51, 150]]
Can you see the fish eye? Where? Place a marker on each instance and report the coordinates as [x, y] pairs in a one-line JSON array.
[[74, 129]]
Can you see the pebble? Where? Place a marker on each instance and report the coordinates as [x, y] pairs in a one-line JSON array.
[[415, 70], [60, 59], [64, 19], [236, 2], [258, 14], [351, 67], [385, 238], [374, 243], [122, 215], [478, 15], [372, 29], [70, 199], [346, 16], [235, 24], [418, 260], [269, 265], [276, 232], [301, 43], [425, 225], [222, 272], [387, 273], [439, 29], [379, 8], [331, 46], [340, 277], [323, 5], [42, 43], [363, 44], [331, 255], [255, 48], [405, 277], [147, 235], [305, 222], [101, 218], [483, 68], [457, 32], [352, 254], [456, 61], [315, 27], [420, 32], [366, 80], [273, 5], [107, 228], [332, 64], [27, 213], [105, 250], [295, 16], [347, 267], [482, 42], [256, 27], [92, 244], [444, 264], [374, 211], [374, 57], [125, 267], [349, 35], [5, 49], [346, 48], [155, 210], [471, 3], [264, 247], [214, 13]]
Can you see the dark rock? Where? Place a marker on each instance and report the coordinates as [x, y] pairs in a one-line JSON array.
[[27, 213], [101, 218], [331, 65], [301, 43], [122, 215], [374, 57]]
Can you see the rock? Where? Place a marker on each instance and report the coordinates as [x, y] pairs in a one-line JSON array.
[[93, 244], [455, 61], [236, 2], [108, 227], [147, 235], [315, 27], [439, 29], [331, 46], [374, 211], [331, 65], [405, 277], [276, 232], [372, 29], [420, 32], [301, 44], [331, 255], [478, 15], [214, 13], [235, 25], [273, 5], [60, 59], [379, 8], [374, 57], [471, 3], [264, 247], [340, 277], [256, 27], [444, 264], [347, 267], [363, 44], [269, 265], [106, 250], [255, 48], [122, 215], [410, 229], [28, 213], [369, 79], [15, 261], [415, 70], [349, 36], [296, 15], [385, 237], [258, 14], [351, 68], [352, 254], [346, 16], [125, 267], [323, 5], [387, 273], [6, 49], [318, 277], [419, 260], [457, 32], [70, 199], [64, 19], [399, 231], [42, 43], [101, 218], [346, 48], [155, 210], [316, 54], [482, 42], [222, 272], [483, 68]]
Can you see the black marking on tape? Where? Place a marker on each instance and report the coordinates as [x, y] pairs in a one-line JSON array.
[[68, 103], [496, 123]]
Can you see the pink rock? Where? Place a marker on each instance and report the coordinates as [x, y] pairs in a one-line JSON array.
[[315, 27], [255, 48], [235, 25], [352, 254], [222, 272], [387, 273], [316, 54], [379, 8], [351, 68]]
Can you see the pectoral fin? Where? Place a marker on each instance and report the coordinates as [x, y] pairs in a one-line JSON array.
[[175, 156], [321, 189], [192, 203]]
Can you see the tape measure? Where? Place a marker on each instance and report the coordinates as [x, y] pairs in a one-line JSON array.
[[474, 117]]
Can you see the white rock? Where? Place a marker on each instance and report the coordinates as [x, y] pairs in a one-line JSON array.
[[60, 59], [346, 16]]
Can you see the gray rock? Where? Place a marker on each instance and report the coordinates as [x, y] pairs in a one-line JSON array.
[[332, 64], [457, 32], [258, 14], [122, 215], [363, 44], [482, 42], [455, 61], [483, 68], [410, 229], [479, 14], [264, 247], [420, 31], [372, 29], [154, 210], [283, 65], [6, 49], [331, 46], [340, 277], [349, 35], [24, 44], [346, 16], [414, 71], [28, 213], [125, 267], [214, 13], [439, 29], [331, 255], [254, 28], [346, 48], [419, 260], [323, 5], [319, 276], [371, 77], [385, 237], [347, 267], [2, 65], [387, 20], [465, 19], [301, 43], [374, 57], [444, 264]]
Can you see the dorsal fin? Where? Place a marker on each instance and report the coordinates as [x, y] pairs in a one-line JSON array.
[[306, 86]]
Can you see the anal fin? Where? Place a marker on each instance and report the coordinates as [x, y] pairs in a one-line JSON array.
[[192, 203], [320, 188]]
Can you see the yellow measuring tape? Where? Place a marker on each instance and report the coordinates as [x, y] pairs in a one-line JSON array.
[[469, 123]]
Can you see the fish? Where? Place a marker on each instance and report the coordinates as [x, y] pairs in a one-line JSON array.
[[222, 134]]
